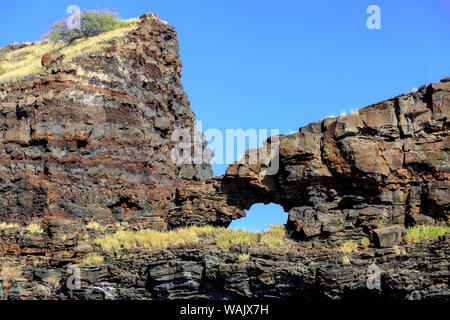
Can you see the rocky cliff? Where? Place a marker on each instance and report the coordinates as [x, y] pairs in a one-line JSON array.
[[92, 140], [386, 164]]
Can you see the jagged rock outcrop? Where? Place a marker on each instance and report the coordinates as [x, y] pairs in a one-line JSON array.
[[93, 138], [339, 178]]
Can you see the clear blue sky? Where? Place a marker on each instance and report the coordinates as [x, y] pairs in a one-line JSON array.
[[279, 64]]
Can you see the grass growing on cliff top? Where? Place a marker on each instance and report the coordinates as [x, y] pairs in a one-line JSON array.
[[27, 61], [161, 240], [422, 232]]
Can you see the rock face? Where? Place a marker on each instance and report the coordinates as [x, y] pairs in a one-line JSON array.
[[389, 237], [51, 59], [341, 178], [43, 265], [92, 139]]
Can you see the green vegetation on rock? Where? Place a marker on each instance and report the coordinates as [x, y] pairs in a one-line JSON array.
[[25, 60], [92, 23], [423, 232]]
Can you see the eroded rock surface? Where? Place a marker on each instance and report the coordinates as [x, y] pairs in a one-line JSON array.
[[340, 178], [43, 265], [93, 139]]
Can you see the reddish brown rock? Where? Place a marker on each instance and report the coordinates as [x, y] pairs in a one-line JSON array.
[[93, 139], [51, 59]]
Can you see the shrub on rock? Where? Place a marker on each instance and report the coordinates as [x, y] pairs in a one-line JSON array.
[[92, 23]]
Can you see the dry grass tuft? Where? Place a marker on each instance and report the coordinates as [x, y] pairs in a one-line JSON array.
[[276, 236], [244, 257], [34, 228], [349, 246], [5, 225], [365, 242], [233, 237], [346, 259], [154, 239], [224, 238], [95, 226]]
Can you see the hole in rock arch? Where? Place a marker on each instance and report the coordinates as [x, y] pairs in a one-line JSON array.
[[259, 216]]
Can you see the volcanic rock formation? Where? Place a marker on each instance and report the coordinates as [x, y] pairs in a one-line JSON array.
[[41, 266], [93, 139], [386, 164]]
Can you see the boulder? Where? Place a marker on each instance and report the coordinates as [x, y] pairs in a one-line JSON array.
[[389, 237], [52, 58]]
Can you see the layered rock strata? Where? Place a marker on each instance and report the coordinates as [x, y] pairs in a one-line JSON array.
[[386, 164], [93, 138], [43, 266]]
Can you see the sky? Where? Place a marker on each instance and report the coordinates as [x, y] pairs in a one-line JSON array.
[[278, 64]]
